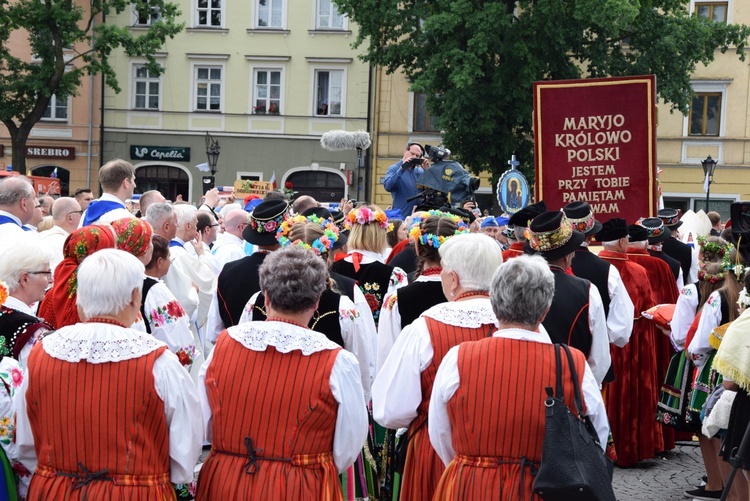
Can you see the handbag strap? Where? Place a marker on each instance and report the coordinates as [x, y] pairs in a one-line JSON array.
[[558, 364], [577, 398]]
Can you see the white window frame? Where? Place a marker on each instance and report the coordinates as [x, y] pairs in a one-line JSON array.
[[254, 69], [332, 6], [136, 17], [693, 4], [194, 86], [256, 18], [53, 115], [135, 79], [713, 87], [314, 90], [209, 9]]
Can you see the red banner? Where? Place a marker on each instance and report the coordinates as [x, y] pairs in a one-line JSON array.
[[595, 141]]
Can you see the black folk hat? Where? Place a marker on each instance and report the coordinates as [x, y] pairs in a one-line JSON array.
[[637, 233], [614, 229], [657, 231], [581, 218], [551, 235], [671, 218], [264, 221], [524, 216]]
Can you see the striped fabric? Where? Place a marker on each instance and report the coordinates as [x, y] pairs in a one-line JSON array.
[[107, 437], [273, 423], [423, 466], [497, 418]]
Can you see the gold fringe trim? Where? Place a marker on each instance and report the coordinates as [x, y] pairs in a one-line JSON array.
[[729, 371]]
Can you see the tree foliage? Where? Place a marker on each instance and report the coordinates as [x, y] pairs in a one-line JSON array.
[[67, 42], [476, 60]]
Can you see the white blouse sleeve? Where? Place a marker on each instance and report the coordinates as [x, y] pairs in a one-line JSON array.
[[595, 410], [11, 375], [398, 280], [247, 311], [203, 397], [24, 437], [358, 339], [214, 324], [397, 390], [169, 323], [621, 310], [447, 381], [365, 313], [182, 408], [350, 433], [710, 319], [683, 316], [389, 327], [599, 356]]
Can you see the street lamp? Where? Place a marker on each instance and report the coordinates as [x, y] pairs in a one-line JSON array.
[[709, 165], [212, 152]]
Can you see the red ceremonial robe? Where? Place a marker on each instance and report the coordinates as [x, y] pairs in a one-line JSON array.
[[515, 250], [632, 398], [665, 292]]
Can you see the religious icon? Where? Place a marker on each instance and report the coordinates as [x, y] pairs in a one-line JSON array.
[[513, 189]]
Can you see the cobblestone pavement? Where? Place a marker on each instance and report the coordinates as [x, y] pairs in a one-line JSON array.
[[661, 479]]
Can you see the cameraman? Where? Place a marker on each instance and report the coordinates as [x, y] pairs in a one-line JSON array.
[[401, 178]]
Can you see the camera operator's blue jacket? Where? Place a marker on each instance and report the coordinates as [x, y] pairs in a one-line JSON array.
[[402, 184]]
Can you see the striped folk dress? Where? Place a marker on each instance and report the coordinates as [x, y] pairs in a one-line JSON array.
[[423, 467], [273, 425], [497, 418], [105, 439]]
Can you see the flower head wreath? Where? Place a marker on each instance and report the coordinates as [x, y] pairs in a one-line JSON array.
[[416, 233], [320, 245], [365, 215], [724, 251]]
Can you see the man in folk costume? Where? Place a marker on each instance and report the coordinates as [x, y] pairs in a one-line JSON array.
[[486, 414], [130, 412], [576, 316], [618, 308], [518, 223], [657, 235], [238, 280], [632, 397], [402, 389], [117, 178], [678, 249], [18, 204]]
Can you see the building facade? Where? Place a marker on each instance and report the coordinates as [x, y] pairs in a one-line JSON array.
[[264, 78]]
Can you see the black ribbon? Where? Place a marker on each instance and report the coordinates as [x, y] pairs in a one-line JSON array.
[[252, 460], [82, 480]]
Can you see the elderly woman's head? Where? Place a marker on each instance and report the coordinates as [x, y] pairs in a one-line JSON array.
[[468, 261], [521, 292], [293, 279], [109, 284], [25, 268]]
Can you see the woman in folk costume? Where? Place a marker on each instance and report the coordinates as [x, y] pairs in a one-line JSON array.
[[487, 413], [336, 317], [58, 308], [402, 388], [25, 269], [125, 418], [428, 231], [285, 429]]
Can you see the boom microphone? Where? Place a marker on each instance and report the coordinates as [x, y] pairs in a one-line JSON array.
[[342, 140]]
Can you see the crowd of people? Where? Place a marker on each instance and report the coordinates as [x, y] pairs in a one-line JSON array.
[[313, 353]]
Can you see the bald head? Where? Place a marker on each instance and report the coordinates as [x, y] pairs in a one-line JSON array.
[[148, 198], [45, 203], [303, 203], [66, 213], [235, 222]]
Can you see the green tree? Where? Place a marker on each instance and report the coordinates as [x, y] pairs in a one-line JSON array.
[[67, 42], [477, 59]]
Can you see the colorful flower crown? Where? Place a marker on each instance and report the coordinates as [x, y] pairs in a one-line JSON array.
[[430, 239], [320, 245], [714, 247], [365, 215], [3, 292]]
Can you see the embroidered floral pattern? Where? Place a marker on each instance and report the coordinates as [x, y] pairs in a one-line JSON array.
[[166, 314], [186, 355], [398, 277], [348, 314], [186, 491]]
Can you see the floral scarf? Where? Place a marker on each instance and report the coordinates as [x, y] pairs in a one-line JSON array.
[[133, 235]]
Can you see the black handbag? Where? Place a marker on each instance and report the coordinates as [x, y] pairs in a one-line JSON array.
[[573, 464]]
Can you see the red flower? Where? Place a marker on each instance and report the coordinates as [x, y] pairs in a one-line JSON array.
[[372, 302], [184, 358], [288, 185], [174, 309]]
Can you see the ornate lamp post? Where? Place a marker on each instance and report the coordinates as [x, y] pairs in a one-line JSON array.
[[709, 165]]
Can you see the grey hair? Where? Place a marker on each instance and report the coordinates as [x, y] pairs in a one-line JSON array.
[[611, 242], [106, 280], [185, 214], [520, 232], [14, 188], [22, 255], [474, 257], [522, 290], [64, 206], [158, 213], [293, 279]]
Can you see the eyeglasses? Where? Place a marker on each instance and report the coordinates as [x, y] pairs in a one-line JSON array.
[[48, 273], [76, 212], [213, 225]]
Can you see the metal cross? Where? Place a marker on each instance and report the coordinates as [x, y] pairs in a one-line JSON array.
[[513, 162]]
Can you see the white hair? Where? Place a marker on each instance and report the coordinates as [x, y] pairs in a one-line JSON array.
[[158, 213], [22, 255], [474, 257], [185, 214], [225, 210], [106, 280], [611, 242], [640, 244]]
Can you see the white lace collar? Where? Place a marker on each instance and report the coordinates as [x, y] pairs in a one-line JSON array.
[[258, 336], [470, 313], [98, 343]]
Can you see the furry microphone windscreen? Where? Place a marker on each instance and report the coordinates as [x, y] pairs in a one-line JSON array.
[[342, 140]]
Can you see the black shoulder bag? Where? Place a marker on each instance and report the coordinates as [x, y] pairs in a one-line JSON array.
[[573, 464]]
